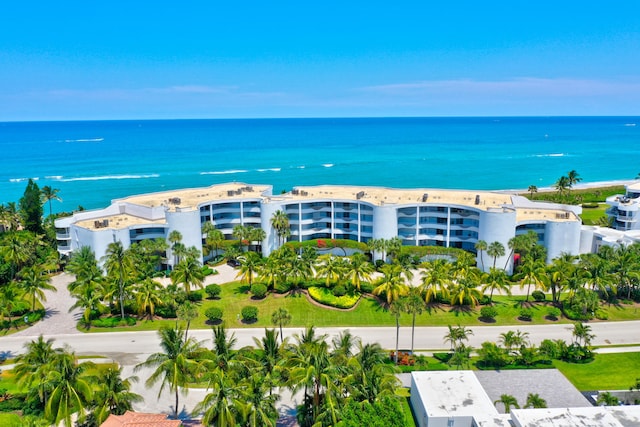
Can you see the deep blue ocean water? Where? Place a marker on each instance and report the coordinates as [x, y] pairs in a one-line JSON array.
[[93, 162]]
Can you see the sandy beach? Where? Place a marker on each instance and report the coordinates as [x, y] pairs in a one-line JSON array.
[[580, 186]]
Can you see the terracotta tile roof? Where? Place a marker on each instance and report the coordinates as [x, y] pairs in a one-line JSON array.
[[138, 419]]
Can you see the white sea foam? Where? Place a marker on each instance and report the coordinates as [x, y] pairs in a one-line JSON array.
[[550, 155], [54, 177], [85, 140], [630, 124], [23, 179], [270, 170], [228, 172], [328, 165], [107, 177]]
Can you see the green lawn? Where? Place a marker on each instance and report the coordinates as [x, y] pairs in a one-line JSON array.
[[10, 420], [368, 312], [590, 216], [617, 371]]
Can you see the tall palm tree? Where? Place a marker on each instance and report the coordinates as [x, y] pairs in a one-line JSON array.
[[189, 273], [242, 233], [32, 367], [223, 344], [271, 272], [257, 235], [466, 290], [258, 404], [281, 317], [48, 194], [187, 312], [71, 388], [119, 266], [213, 238], [33, 283], [114, 395], [436, 277], [573, 177], [562, 185], [532, 190], [457, 335], [532, 272], [280, 223], [218, 406], [495, 250], [176, 365], [414, 305], [559, 272], [496, 280], [15, 251], [391, 284], [481, 246], [250, 263], [514, 339], [148, 296], [359, 270], [331, 268], [582, 334], [10, 295]]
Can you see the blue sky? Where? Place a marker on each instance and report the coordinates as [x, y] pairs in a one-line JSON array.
[[206, 59]]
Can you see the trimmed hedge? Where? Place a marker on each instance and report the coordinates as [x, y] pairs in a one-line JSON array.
[[259, 290], [328, 244], [326, 297], [538, 296], [194, 296], [112, 322]]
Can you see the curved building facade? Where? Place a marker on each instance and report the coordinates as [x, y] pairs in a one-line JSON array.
[[419, 217]]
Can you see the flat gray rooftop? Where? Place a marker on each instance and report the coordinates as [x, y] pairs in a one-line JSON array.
[[549, 384]]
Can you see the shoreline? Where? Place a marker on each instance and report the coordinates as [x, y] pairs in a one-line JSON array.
[[580, 186]]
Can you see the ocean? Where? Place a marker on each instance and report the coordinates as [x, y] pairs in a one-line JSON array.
[[93, 162]]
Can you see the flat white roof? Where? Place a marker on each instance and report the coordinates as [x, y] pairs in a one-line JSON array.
[[595, 416], [453, 393]]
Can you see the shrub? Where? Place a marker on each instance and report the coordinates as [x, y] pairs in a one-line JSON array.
[[166, 312], [282, 288], [259, 290], [194, 296], [526, 314], [553, 313], [339, 290], [206, 270], [488, 312], [601, 314], [326, 297], [213, 314], [485, 299], [213, 291], [249, 313], [379, 263], [538, 296], [112, 322], [366, 287]]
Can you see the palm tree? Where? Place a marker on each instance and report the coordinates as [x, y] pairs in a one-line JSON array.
[[359, 270], [258, 235], [532, 190], [148, 296], [114, 395], [250, 263], [508, 401], [32, 367], [175, 238], [218, 406], [495, 250], [414, 305], [480, 247], [562, 185], [559, 271], [15, 251], [466, 290], [33, 283], [48, 194], [496, 280], [331, 268], [582, 334], [607, 399], [573, 177], [213, 238], [71, 388], [436, 277], [514, 339], [176, 366], [242, 233], [456, 335], [532, 272], [189, 273], [280, 223], [535, 401], [187, 311], [281, 317], [119, 266], [391, 284], [256, 405], [10, 294], [223, 344]]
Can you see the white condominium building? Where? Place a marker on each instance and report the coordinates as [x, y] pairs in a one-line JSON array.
[[420, 217], [625, 209]]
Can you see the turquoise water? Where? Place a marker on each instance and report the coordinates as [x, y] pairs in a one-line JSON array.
[[94, 162]]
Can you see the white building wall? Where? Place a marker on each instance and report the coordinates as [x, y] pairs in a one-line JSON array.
[[385, 224], [562, 237], [497, 225], [271, 240]]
